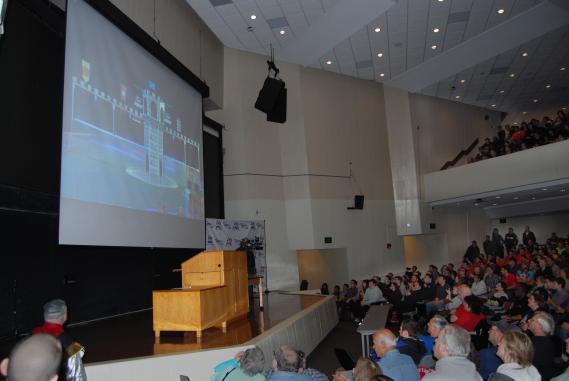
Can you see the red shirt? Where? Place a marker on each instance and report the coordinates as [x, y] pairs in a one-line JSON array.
[[510, 280], [50, 328], [467, 319]]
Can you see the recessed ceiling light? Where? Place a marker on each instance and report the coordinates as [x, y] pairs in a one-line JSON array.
[[544, 189], [562, 69], [512, 75], [524, 54], [524, 112], [532, 197], [494, 204], [377, 30], [253, 17], [282, 32], [440, 1], [328, 62], [563, 108], [535, 100], [436, 30], [463, 81], [502, 91], [380, 55], [547, 86], [563, 190], [476, 204], [382, 75], [516, 198], [493, 105], [498, 197], [500, 11], [457, 97], [434, 47]]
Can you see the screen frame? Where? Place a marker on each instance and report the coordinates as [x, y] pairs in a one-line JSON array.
[[125, 24]]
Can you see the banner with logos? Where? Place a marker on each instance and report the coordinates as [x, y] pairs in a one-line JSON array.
[[248, 236]]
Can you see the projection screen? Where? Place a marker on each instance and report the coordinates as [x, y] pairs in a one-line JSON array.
[[131, 163]]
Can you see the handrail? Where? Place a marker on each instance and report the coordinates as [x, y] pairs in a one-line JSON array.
[[460, 155]]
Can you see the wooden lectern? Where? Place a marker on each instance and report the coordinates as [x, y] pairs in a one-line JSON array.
[[214, 291]]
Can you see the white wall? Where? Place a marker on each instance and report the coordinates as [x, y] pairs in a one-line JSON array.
[[542, 226], [443, 128]]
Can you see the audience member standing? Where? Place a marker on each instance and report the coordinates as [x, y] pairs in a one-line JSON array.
[[498, 242], [452, 349], [511, 240], [528, 236]]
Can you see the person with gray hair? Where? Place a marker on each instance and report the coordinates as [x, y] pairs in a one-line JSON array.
[[36, 358], [394, 364], [286, 365], [54, 316], [452, 349], [542, 326], [246, 366]]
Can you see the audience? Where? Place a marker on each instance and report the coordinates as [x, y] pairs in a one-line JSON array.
[[525, 136], [36, 358], [398, 366], [247, 365], [489, 360], [516, 351], [286, 365], [409, 343], [452, 349], [542, 326]]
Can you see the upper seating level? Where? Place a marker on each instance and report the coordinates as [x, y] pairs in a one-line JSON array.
[[537, 167]]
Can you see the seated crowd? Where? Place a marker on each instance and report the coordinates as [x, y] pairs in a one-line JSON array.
[[502, 314], [530, 134]]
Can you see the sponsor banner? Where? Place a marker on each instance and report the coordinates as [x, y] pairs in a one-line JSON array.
[[243, 235]]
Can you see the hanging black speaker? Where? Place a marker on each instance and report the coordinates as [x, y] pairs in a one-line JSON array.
[[269, 94], [278, 113]]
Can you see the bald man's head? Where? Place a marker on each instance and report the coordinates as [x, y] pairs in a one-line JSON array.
[[383, 341], [36, 358]]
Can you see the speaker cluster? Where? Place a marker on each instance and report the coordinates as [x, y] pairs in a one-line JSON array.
[[272, 97]]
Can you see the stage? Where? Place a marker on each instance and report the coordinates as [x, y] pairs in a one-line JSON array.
[[125, 347]]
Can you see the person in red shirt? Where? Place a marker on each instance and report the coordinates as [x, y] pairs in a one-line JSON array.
[[509, 278], [54, 316], [469, 316]]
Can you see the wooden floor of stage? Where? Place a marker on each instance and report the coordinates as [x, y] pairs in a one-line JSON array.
[[132, 336]]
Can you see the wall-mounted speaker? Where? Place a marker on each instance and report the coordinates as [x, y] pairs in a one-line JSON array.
[[432, 226], [503, 220], [358, 202]]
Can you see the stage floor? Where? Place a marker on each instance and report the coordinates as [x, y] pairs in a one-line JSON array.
[[132, 336]]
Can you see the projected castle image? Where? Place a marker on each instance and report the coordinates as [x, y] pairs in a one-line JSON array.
[[136, 133]]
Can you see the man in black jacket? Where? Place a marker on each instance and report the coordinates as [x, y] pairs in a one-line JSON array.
[[511, 240]]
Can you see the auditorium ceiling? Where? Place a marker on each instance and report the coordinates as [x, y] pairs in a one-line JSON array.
[[508, 55]]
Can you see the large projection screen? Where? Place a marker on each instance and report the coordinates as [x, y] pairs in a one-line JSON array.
[[131, 163]]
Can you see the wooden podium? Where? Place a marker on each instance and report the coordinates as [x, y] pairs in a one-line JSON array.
[[214, 291]]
